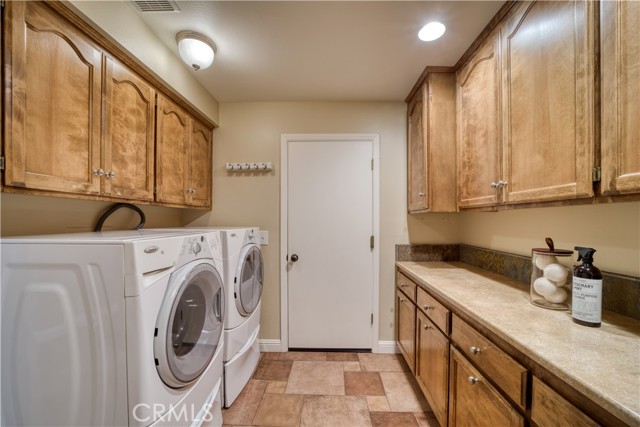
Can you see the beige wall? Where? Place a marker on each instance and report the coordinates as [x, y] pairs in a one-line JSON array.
[[122, 23], [613, 229], [250, 132]]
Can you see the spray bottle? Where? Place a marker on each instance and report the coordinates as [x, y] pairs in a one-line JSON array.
[[586, 290]]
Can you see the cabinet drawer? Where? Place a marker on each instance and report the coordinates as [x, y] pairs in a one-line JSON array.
[[548, 408], [435, 311], [503, 370], [473, 401], [406, 285]]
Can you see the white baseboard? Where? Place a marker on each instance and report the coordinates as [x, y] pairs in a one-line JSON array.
[[386, 347], [267, 346]]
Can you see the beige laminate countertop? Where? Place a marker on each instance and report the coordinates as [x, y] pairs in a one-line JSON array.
[[601, 363]]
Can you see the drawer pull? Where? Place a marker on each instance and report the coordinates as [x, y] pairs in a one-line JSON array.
[[427, 307], [403, 300], [427, 327], [474, 350], [473, 380], [403, 285]]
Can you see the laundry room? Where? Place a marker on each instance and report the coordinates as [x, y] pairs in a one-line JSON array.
[[320, 227]]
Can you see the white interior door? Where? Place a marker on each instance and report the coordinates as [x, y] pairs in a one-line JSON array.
[[329, 224]]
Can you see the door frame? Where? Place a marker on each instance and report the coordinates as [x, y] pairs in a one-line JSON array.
[[285, 139]]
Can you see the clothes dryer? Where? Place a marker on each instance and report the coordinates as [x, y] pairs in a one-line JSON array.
[[112, 328], [244, 278]]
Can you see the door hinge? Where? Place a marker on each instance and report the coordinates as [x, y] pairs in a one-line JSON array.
[[371, 319], [2, 160], [597, 174], [155, 190], [371, 164], [372, 242]]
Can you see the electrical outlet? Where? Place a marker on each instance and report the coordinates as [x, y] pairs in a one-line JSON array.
[[264, 238]]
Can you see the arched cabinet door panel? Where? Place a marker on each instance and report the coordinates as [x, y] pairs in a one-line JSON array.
[[53, 115]]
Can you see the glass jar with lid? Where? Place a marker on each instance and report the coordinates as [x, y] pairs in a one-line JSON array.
[[551, 277]]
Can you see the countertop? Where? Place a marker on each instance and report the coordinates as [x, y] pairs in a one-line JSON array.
[[601, 363]]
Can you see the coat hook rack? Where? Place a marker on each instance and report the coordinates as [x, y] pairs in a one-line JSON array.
[[249, 167]]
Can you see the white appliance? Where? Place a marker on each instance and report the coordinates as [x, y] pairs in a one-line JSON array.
[[112, 328], [243, 281]]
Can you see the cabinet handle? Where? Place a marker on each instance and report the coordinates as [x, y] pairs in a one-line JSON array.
[[421, 194], [502, 184], [494, 185], [427, 327], [427, 307], [403, 285], [474, 350], [190, 190], [403, 300], [473, 380], [110, 174], [98, 172]]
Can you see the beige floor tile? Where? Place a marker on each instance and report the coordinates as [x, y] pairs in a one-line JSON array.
[[363, 384], [393, 419], [276, 387], [304, 355], [335, 411], [351, 366], [378, 403], [426, 419], [308, 377], [338, 356], [246, 404], [273, 370], [382, 362], [272, 355], [403, 393], [279, 410]]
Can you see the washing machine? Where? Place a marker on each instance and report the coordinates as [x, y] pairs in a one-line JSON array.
[[112, 328], [243, 278]]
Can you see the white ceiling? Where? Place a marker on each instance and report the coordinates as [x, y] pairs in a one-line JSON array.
[[322, 50]]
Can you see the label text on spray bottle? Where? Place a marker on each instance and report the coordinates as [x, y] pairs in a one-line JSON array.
[[587, 300]]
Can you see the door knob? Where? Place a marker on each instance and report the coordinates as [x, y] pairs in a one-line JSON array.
[[294, 258]]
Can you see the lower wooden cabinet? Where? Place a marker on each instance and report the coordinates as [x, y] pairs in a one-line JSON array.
[[406, 321], [432, 366], [473, 401], [549, 409]]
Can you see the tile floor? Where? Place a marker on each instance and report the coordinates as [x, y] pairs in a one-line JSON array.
[[318, 389]]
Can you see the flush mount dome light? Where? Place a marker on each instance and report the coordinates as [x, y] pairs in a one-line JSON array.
[[195, 49], [431, 31]]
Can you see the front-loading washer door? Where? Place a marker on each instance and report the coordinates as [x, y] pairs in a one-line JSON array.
[[248, 280], [190, 323]]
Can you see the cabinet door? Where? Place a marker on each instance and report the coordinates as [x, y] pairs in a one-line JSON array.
[[479, 134], [432, 366], [173, 132], [417, 197], [548, 64], [129, 130], [406, 321], [475, 402], [53, 110], [620, 79], [200, 165]]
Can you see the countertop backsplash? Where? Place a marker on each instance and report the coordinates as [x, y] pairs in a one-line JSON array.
[[621, 294]]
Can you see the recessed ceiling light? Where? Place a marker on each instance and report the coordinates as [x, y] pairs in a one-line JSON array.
[[431, 31]]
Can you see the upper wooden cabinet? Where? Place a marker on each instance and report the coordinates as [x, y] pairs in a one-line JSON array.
[[128, 164], [52, 104], [548, 62], [620, 85], [431, 148], [183, 161], [80, 119], [479, 119]]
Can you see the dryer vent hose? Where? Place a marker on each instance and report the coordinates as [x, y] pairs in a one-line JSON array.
[[114, 208]]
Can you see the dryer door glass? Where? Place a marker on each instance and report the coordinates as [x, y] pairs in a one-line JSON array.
[[248, 280], [189, 333]]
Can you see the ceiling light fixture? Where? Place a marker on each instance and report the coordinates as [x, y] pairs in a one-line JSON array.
[[195, 49], [431, 31]]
